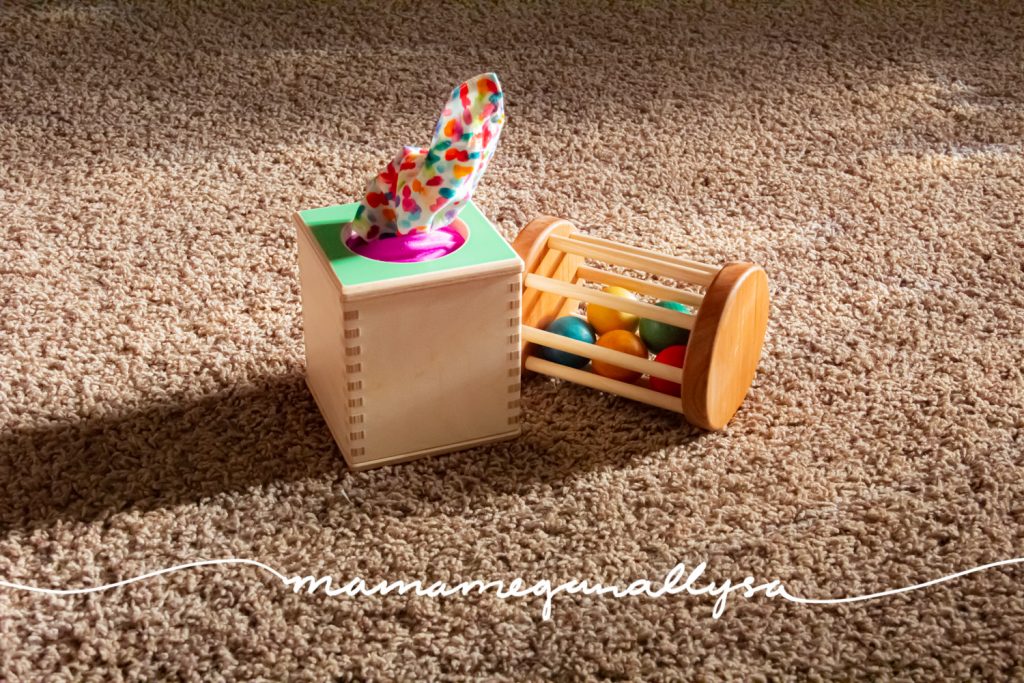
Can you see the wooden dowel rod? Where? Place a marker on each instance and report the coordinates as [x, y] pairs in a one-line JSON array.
[[658, 291], [617, 257], [640, 251], [612, 386], [618, 303], [610, 356]]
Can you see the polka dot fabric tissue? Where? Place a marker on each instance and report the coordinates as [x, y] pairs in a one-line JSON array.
[[423, 188]]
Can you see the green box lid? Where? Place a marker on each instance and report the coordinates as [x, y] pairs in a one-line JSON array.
[[484, 245]]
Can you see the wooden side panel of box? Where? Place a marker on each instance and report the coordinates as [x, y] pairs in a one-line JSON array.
[[323, 329], [438, 367]]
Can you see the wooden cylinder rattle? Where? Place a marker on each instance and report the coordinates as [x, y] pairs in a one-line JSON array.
[[726, 332]]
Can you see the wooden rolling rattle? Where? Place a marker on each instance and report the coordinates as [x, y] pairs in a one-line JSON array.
[[720, 332]]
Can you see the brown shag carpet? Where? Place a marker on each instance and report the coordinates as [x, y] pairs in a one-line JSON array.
[[153, 410]]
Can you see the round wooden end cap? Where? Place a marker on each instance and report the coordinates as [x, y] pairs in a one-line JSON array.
[[725, 345], [540, 308], [532, 241]]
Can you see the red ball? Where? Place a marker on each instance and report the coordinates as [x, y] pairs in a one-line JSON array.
[[672, 355]]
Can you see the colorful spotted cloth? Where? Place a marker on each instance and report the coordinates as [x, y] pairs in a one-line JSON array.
[[423, 188]]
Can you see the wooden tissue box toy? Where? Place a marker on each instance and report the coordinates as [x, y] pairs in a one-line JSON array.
[[410, 359], [410, 299]]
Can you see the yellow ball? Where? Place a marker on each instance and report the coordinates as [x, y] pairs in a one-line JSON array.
[[605, 319], [620, 340]]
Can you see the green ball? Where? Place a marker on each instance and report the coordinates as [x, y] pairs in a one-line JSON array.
[[659, 336]]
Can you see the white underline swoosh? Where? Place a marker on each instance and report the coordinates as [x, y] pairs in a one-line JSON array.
[[143, 577], [895, 591]]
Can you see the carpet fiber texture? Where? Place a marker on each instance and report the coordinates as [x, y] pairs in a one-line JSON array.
[[153, 409]]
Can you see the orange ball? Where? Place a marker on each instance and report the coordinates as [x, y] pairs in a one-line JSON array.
[[620, 340]]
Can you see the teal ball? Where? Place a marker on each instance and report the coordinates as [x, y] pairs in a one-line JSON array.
[[574, 328], [658, 336]]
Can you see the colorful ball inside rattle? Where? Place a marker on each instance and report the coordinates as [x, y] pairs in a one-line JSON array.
[[574, 328], [606, 319], [627, 342], [658, 335], [673, 355]]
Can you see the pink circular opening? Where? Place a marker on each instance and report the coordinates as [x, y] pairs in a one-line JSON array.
[[412, 248]]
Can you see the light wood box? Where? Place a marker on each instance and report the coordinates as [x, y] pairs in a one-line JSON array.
[[407, 360]]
